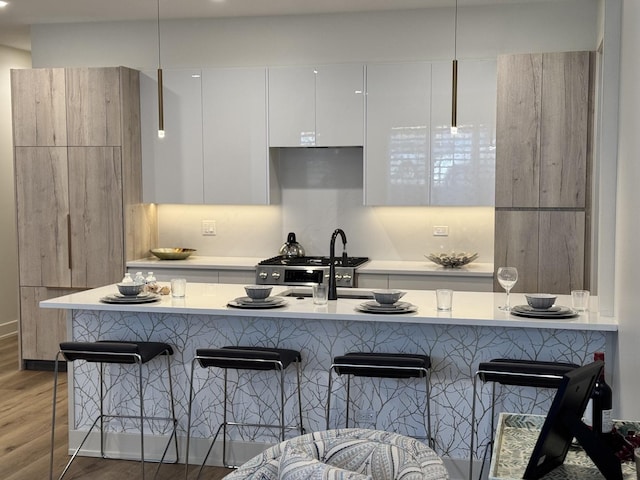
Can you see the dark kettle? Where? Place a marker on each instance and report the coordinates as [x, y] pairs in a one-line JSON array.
[[292, 248]]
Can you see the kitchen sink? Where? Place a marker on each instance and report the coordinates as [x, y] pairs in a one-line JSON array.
[[301, 292]]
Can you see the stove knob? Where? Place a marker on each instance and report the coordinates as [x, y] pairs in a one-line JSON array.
[[263, 275], [346, 277], [338, 277], [275, 275]]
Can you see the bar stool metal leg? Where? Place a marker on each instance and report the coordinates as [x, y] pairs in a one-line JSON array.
[[401, 366], [122, 353], [237, 358]]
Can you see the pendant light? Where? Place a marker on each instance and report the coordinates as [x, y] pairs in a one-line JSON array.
[[454, 81], [160, 97]]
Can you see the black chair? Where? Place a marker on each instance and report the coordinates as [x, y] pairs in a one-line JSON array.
[[244, 358], [382, 365], [523, 373], [116, 352]]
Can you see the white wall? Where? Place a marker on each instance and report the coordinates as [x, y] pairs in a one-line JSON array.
[[9, 58], [628, 226], [333, 38]]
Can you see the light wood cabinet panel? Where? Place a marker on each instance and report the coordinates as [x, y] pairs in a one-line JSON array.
[[41, 330], [38, 106], [564, 138], [79, 209], [95, 196], [561, 266], [516, 245], [518, 130], [93, 106], [42, 204], [543, 162]]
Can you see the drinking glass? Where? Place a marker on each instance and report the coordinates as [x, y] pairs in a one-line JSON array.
[[507, 278]]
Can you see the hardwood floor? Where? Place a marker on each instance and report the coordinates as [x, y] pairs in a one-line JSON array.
[[25, 430]]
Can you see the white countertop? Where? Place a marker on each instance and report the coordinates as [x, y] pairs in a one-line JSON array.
[[469, 308], [425, 267], [198, 262], [384, 267]]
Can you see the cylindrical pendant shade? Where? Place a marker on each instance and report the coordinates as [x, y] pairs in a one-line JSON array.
[[454, 96], [160, 105]]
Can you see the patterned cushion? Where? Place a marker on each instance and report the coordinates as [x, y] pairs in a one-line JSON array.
[[297, 465], [382, 455]]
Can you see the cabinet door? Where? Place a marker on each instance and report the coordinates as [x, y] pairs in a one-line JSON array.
[[398, 134], [518, 130], [42, 203], [292, 106], [561, 267], [41, 329], [93, 106], [235, 136], [172, 167], [340, 105], [565, 129], [39, 107], [95, 195], [463, 165], [517, 245]]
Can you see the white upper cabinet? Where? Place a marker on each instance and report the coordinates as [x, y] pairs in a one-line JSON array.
[[463, 165], [411, 157], [316, 106], [235, 136], [397, 149], [173, 165]]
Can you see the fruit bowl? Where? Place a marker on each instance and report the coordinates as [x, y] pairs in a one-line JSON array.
[[172, 253], [453, 259]]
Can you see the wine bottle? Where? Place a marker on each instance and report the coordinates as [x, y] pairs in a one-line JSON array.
[[602, 401]]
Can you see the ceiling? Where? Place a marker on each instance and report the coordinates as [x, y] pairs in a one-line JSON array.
[[16, 18]]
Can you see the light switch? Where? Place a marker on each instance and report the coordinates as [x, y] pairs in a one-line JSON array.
[[441, 231], [208, 227]]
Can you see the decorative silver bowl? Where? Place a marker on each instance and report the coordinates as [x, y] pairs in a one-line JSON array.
[[453, 259], [172, 253]]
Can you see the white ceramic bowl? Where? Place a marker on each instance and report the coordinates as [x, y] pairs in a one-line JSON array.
[[130, 289], [540, 301], [258, 292], [387, 297]]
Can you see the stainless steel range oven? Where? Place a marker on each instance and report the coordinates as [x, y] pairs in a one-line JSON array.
[[307, 270]]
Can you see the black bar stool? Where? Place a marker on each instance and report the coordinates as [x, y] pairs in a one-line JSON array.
[[244, 358], [383, 365], [116, 352], [523, 373]]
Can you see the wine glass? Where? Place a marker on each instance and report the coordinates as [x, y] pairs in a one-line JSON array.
[[507, 278]]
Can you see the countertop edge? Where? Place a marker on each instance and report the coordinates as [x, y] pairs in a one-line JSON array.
[[470, 308]]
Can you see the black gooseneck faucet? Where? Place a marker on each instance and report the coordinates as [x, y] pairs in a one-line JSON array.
[[333, 290]]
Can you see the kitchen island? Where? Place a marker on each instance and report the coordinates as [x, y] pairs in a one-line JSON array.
[[475, 330]]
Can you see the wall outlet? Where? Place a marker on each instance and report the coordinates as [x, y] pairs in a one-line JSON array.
[[208, 227], [441, 231], [366, 416]]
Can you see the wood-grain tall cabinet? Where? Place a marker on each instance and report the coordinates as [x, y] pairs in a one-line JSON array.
[[78, 176], [544, 132]]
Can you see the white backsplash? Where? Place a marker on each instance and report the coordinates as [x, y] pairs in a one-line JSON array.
[[321, 191]]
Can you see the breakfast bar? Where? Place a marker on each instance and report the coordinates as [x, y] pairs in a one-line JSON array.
[[475, 330]]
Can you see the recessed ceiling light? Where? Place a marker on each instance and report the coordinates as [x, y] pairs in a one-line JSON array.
[[3, 4]]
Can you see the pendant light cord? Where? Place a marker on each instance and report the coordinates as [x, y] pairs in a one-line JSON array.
[[158, 31], [455, 34]]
